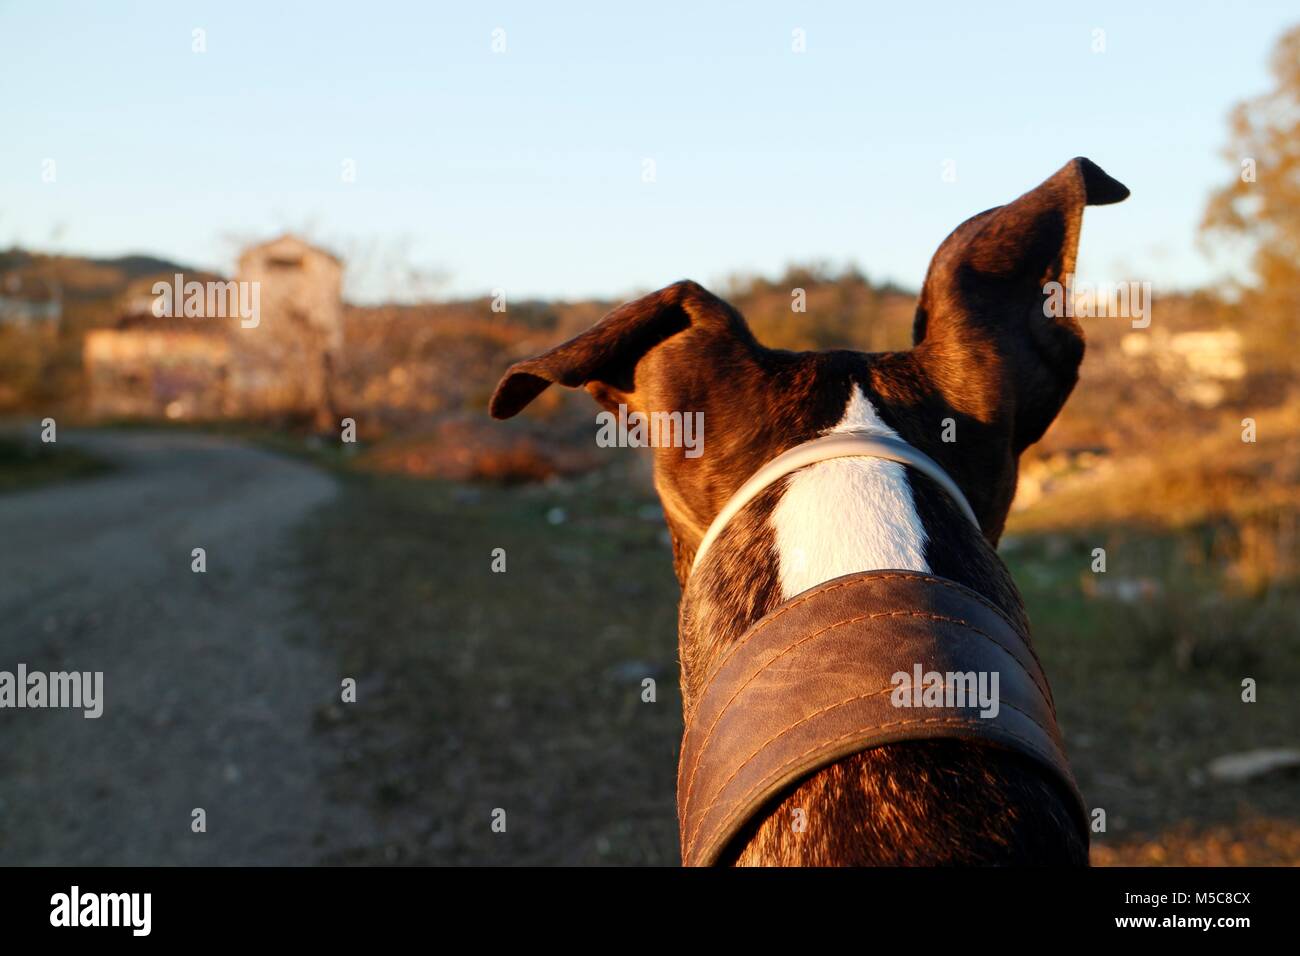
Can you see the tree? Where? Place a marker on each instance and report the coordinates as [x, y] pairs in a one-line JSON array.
[[1262, 204]]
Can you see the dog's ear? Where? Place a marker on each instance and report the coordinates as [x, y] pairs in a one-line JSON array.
[[610, 358], [981, 328]]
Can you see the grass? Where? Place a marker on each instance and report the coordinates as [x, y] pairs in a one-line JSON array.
[[1148, 686], [522, 690], [1201, 591], [26, 464], [518, 690], [299, 443]]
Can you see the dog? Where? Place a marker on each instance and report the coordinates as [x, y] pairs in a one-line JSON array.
[[990, 365]]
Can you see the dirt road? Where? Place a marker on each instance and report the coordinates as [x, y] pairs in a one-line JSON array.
[[211, 681]]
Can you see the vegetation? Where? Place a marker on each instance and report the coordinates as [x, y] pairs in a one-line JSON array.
[[1262, 203], [24, 464]]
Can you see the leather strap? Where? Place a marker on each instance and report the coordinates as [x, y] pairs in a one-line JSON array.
[[837, 445], [814, 681]]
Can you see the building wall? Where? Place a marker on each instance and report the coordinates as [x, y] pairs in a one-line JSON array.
[[157, 374], [283, 365], [219, 368]]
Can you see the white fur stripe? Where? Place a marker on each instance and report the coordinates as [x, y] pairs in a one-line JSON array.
[[848, 514]]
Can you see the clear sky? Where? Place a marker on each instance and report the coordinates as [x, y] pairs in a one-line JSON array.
[[524, 169]]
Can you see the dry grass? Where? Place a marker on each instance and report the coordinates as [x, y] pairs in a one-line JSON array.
[[1176, 479], [1255, 841]]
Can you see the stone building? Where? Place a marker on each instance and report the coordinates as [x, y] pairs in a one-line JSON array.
[[284, 365], [146, 366], [275, 362], [139, 369]]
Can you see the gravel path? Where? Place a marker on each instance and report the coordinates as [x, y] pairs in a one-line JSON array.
[[211, 681]]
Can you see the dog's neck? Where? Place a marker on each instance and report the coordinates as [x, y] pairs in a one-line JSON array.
[[829, 519], [846, 515], [835, 444]]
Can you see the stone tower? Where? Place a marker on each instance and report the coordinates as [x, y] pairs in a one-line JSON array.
[[284, 366]]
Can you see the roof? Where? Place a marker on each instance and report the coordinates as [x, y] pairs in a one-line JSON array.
[[287, 242]]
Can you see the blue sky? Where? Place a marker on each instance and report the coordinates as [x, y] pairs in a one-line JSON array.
[[523, 170]]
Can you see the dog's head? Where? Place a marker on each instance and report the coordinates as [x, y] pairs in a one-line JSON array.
[[988, 366]]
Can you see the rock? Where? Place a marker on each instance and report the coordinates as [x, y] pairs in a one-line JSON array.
[[1253, 764]]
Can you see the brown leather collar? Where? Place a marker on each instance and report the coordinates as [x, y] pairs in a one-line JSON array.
[[816, 680]]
